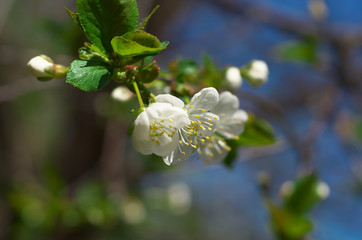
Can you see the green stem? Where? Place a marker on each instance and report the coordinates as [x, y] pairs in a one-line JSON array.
[[187, 99], [140, 101]]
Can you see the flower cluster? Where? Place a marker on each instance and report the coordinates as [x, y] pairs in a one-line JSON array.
[[174, 131]]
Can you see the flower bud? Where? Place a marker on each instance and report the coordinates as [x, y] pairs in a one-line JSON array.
[[286, 189], [233, 77], [122, 94], [256, 73], [43, 68], [318, 9], [323, 190]]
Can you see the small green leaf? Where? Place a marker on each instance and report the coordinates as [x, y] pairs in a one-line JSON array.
[[130, 130], [210, 74], [88, 75], [148, 73], [184, 70], [136, 43], [91, 52], [231, 157], [289, 225], [75, 17], [104, 19], [144, 22], [304, 195], [298, 51], [257, 132]]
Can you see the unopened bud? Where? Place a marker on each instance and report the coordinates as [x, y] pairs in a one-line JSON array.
[[323, 190], [256, 73], [318, 9], [286, 189], [122, 94], [233, 77], [43, 68]]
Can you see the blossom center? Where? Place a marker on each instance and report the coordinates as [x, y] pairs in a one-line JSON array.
[[158, 128]]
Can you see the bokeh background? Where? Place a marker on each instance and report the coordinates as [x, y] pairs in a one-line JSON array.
[[68, 169]]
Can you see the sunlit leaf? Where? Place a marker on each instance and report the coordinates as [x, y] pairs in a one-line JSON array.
[[257, 132], [88, 75], [104, 19]]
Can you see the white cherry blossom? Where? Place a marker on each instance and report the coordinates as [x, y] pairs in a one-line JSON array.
[[201, 127], [41, 66], [230, 126], [122, 94], [233, 77], [257, 73], [156, 128]]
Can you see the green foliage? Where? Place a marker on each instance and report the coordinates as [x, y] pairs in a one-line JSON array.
[[144, 22], [184, 70], [288, 225], [257, 132], [231, 157], [149, 73], [88, 75], [75, 17], [359, 130], [290, 220], [102, 20], [137, 43], [210, 73], [298, 51], [91, 52], [304, 195]]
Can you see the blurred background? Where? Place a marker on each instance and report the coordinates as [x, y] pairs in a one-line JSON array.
[[68, 169]]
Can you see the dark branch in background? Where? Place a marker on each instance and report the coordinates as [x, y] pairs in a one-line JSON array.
[[344, 40], [273, 110], [21, 87], [292, 24], [345, 72]]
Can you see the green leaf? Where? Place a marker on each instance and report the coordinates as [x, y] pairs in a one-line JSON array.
[[231, 157], [144, 22], [104, 19], [91, 52], [288, 225], [184, 70], [210, 74], [148, 73], [138, 43], [304, 195], [298, 51], [88, 75], [75, 17], [130, 130], [257, 132]]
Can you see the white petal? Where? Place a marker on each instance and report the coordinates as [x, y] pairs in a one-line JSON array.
[[144, 147], [38, 66], [156, 109], [232, 127], [206, 99], [122, 94], [142, 127], [227, 104], [175, 116], [167, 98], [167, 145], [233, 77], [213, 151], [181, 152], [259, 70]]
